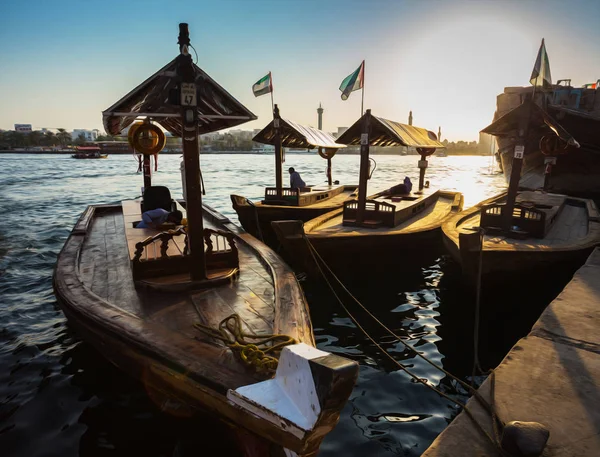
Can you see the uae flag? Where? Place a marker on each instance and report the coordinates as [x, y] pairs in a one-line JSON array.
[[263, 86], [540, 76], [353, 82]]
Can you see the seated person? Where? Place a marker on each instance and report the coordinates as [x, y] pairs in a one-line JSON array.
[[403, 188], [295, 179], [156, 217]]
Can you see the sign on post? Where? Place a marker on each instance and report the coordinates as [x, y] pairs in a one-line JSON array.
[[188, 94], [519, 151]]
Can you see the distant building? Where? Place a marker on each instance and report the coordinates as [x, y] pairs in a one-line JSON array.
[[340, 130], [90, 135], [23, 128]]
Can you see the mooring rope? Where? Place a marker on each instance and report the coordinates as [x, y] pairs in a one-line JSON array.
[[495, 442], [256, 354]]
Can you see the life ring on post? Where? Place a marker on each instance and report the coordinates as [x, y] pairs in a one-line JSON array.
[[552, 145], [327, 153], [425, 152], [147, 138]]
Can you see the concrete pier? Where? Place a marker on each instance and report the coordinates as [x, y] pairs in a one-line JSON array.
[[551, 376]]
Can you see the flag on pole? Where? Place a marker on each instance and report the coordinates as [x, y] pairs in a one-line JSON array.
[[353, 82], [540, 76], [263, 86]]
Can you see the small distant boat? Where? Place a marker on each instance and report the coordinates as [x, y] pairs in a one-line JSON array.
[[549, 232], [206, 316], [89, 152], [380, 230]]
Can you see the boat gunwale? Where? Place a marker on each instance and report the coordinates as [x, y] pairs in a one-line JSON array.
[[311, 226], [183, 360], [239, 201], [450, 229]]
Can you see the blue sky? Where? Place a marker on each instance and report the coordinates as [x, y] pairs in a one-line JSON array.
[[63, 62]]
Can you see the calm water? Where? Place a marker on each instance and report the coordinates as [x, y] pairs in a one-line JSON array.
[[59, 397]]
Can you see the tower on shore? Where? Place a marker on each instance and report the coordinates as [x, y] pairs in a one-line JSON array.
[[320, 113]]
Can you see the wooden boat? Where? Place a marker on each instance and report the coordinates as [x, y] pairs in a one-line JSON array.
[[550, 232], [283, 203], [89, 152], [189, 310], [567, 169], [382, 229]]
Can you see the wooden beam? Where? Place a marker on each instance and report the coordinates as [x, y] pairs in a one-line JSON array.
[[515, 172], [364, 167], [191, 157]]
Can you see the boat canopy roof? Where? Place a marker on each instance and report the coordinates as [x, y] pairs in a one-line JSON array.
[[390, 133], [297, 136], [217, 109], [508, 123]]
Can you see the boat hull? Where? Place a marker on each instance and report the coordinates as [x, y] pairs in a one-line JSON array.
[[181, 372], [518, 261], [256, 219], [355, 252]]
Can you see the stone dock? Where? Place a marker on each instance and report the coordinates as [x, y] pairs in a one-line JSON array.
[[551, 376]]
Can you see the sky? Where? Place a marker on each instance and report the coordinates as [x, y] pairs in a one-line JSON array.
[[63, 62]]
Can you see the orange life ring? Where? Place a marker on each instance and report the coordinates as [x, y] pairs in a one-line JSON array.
[[552, 145], [148, 138], [131, 131]]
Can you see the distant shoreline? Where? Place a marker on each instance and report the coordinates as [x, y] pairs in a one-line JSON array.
[[8, 151]]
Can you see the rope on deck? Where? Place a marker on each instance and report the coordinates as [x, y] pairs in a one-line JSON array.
[[257, 354], [497, 423]]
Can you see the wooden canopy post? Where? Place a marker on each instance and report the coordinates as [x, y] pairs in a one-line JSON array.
[[320, 126], [515, 172], [191, 156], [364, 167], [422, 167], [278, 154]]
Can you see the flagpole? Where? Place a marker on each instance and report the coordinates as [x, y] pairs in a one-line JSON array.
[[271, 83], [362, 102]]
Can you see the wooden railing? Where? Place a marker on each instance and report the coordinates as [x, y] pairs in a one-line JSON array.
[[220, 252], [376, 213], [530, 221], [288, 195]]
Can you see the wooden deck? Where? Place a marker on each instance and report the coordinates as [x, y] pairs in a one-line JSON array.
[[105, 270], [571, 224], [332, 223]]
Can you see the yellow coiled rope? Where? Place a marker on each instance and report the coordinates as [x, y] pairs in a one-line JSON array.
[[257, 354]]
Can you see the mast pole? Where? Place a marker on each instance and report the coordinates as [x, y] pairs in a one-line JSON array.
[[362, 101], [271, 83], [364, 167], [147, 170], [278, 155], [191, 156]]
